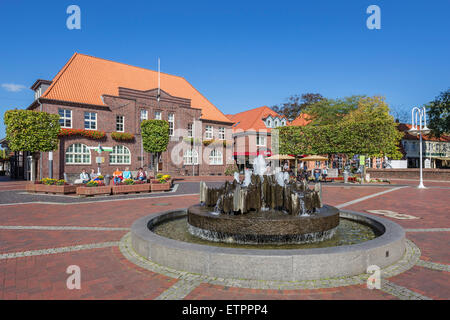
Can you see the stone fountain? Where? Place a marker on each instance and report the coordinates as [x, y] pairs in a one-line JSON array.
[[262, 208], [246, 230]]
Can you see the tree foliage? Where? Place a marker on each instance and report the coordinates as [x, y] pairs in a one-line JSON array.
[[32, 131], [155, 135], [295, 104], [438, 112], [329, 111], [368, 129], [155, 138]]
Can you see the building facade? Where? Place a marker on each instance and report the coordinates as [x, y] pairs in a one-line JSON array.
[[435, 151], [102, 102], [252, 134]]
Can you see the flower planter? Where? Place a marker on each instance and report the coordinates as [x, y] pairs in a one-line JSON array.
[[63, 189], [55, 189], [93, 191], [133, 188], [160, 186], [340, 179], [30, 187]]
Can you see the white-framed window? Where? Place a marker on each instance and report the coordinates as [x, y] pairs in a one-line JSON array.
[[120, 123], [171, 124], [276, 123], [158, 115], [283, 122], [78, 153], [215, 157], [65, 118], [269, 123], [189, 130], [90, 120], [120, 155], [190, 157], [260, 141], [221, 133], [208, 132], [144, 114]]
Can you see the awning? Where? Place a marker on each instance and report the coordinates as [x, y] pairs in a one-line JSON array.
[[281, 157], [314, 158]]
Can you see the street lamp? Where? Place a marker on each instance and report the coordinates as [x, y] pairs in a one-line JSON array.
[[419, 127]]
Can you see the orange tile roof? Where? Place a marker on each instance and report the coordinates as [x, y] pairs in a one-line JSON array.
[[404, 127], [252, 119], [84, 79], [301, 120]]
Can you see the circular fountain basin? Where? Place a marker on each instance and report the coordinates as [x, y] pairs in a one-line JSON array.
[[262, 227], [270, 264]]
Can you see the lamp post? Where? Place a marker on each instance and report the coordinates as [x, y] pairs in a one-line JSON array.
[[419, 127]]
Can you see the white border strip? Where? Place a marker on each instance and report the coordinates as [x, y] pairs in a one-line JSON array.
[[346, 204]]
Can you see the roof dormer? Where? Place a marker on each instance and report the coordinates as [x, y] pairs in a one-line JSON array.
[[39, 87]]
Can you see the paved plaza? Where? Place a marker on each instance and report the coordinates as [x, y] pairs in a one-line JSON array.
[[41, 235]]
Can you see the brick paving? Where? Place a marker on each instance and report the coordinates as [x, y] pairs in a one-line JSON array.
[[209, 292], [108, 274]]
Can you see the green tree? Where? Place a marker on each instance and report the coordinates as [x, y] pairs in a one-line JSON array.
[[295, 104], [438, 112], [155, 138], [31, 131], [330, 111], [368, 129]]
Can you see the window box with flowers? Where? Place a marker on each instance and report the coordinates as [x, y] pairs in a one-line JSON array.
[[54, 186], [93, 188], [161, 183], [208, 142], [131, 186], [90, 134], [122, 136]]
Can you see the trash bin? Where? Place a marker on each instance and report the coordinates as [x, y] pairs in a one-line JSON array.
[[107, 179], [345, 176]]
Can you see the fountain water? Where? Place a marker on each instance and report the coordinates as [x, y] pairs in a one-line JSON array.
[[262, 209]]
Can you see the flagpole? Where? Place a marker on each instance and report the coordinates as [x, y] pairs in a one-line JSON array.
[[159, 78]]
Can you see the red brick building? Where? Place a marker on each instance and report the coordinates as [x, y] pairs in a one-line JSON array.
[[252, 133], [94, 94]]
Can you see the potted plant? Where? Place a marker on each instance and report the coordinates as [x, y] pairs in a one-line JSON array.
[[163, 183], [93, 188], [54, 186], [131, 186]]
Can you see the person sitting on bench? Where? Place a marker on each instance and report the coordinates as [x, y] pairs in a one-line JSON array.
[[127, 174], [141, 175], [117, 175], [84, 177]]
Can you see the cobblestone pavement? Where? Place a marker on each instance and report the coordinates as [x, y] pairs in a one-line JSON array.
[[41, 235]]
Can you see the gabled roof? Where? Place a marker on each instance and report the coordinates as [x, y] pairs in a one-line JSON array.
[[84, 79], [253, 119], [301, 120]]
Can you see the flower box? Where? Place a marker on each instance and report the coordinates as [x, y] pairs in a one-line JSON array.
[[131, 188], [30, 187], [62, 189], [160, 186], [93, 191]]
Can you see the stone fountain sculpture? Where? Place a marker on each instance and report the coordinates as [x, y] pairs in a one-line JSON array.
[[259, 192], [263, 208]]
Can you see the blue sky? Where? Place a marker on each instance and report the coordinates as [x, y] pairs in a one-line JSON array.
[[239, 54]]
